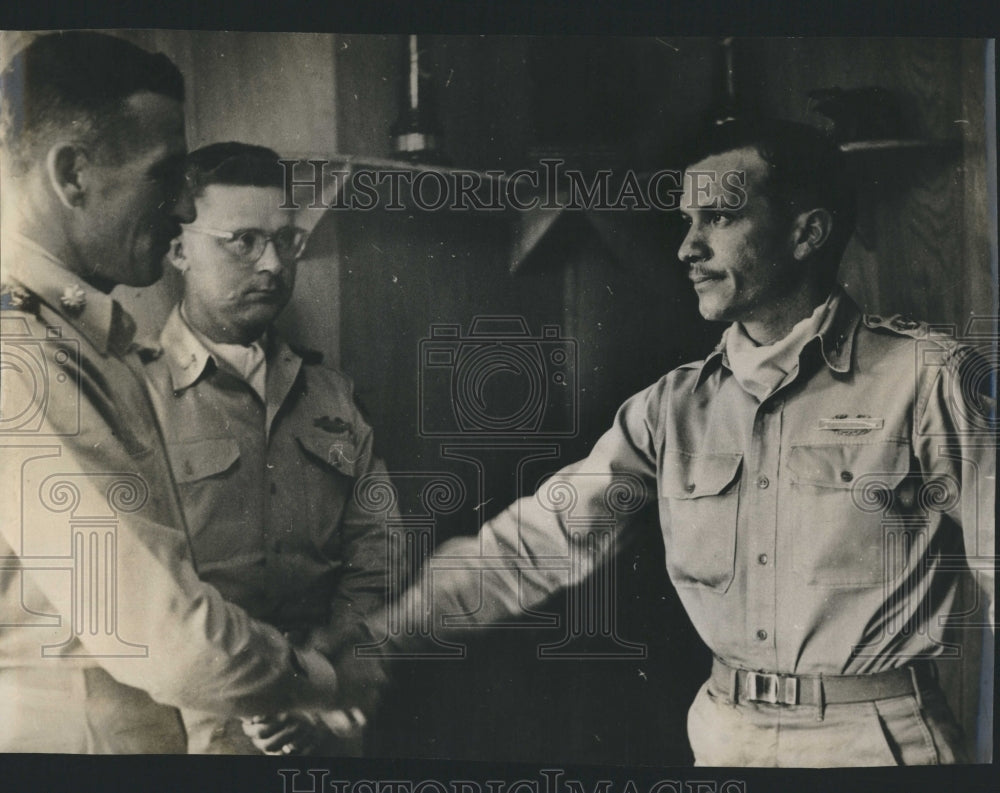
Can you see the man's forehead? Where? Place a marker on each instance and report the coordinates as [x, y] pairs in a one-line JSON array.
[[744, 158], [713, 177], [243, 205]]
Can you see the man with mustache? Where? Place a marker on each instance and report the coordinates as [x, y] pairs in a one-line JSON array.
[[105, 627], [266, 444], [821, 478]]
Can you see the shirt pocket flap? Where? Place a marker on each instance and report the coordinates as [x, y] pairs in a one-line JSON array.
[[688, 475], [201, 458], [336, 449], [844, 465]]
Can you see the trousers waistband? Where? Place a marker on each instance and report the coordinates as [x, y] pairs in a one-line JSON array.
[[744, 685]]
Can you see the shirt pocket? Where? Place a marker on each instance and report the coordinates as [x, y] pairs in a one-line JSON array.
[[699, 506], [335, 458], [199, 459], [335, 449], [201, 468], [841, 497]]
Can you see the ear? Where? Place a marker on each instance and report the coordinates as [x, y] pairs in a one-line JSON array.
[[66, 166], [811, 230], [176, 255]]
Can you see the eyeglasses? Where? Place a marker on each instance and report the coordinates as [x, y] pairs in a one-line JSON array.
[[248, 245]]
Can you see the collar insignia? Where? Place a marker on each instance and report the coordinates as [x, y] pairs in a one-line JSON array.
[[73, 298]]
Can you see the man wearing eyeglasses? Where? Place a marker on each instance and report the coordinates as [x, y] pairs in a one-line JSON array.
[[266, 444]]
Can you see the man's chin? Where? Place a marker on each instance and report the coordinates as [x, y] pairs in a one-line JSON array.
[[260, 316], [712, 311]]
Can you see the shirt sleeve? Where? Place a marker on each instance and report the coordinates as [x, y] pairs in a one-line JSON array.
[[204, 652], [363, 583], [543, 542], [956, 446], [139, 609]]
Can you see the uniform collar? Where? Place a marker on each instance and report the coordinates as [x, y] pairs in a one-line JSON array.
[[837, 332], [835, 335], [187, 357], [95, 315]]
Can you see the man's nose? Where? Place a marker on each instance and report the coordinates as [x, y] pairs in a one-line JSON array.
[[269, 260], [693, 246]]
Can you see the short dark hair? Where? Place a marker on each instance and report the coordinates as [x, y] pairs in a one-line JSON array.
[[233, 163], [806, 169], [78, 80]]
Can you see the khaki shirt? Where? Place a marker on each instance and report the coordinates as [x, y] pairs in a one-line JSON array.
[[95, 572], [821, 531], [268, 488]]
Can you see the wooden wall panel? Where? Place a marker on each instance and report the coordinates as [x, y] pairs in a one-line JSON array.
[[978, 268], [923, 212]]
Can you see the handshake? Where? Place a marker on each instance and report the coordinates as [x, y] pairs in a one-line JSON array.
[[360, 683], [300, 733]]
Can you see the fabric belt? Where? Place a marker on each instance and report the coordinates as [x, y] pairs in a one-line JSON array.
[[743, 685]]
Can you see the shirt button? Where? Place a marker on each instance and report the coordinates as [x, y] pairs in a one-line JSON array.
[[846, 476], [689, 488], [762, 559], [762, 634], [763, 483]]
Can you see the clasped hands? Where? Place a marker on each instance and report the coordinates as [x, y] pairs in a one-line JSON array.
[[360, 683], [301, 733]]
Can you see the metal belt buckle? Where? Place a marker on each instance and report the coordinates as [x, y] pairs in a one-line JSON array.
[[772, 688]]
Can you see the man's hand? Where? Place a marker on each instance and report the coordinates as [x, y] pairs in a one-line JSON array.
[[347, 723], [303, 733], [285, 733]]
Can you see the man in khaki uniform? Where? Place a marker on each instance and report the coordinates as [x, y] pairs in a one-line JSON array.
[[822, 479], [266, 444], [104, 625]]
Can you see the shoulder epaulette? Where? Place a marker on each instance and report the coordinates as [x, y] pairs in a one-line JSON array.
[[309, 357]]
